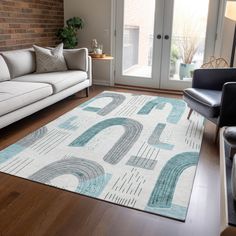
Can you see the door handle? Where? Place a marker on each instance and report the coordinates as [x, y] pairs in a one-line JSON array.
[[159, 36], [167, 37]]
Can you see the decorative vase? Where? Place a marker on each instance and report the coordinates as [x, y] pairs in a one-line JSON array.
[[94, 45], [233, 178], [185, 70]]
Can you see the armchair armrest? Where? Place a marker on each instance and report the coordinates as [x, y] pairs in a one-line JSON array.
[[228, 105], [76, 59], [213, 78]]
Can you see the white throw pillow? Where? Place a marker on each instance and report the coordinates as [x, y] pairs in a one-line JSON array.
[[50, 60], [4, 72]]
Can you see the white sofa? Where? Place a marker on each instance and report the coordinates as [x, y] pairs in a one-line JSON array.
[[24, 92]]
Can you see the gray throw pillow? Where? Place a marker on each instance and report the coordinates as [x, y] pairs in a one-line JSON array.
[[76, 59], [50, 60]]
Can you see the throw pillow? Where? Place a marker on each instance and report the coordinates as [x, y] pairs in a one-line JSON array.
[[5, 74], [76, 59], [50, 60]]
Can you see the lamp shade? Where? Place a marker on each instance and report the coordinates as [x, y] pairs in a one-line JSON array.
[[230, 11]]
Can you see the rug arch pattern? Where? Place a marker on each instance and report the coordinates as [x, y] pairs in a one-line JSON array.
[[117, 100], [178, 108], [163, 192], [91, 176], [132, 132]]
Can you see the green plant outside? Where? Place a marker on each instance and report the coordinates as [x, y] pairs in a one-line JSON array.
[[174, 53]]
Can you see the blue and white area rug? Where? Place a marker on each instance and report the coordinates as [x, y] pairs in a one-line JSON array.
[[133, 150]]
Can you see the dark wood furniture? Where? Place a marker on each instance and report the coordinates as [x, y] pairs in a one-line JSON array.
[[228, 205]]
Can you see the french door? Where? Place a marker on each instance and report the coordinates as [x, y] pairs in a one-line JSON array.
[[160, 42]]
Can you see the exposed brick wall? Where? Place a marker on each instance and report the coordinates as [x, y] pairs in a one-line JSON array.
[[27, 22]]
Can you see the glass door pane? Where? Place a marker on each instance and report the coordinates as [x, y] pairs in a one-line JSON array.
[[159, 43], [138, 31], [188, 38]]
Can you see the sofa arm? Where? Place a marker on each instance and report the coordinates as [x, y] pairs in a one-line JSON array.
[[213, 78], [76, 59], [228, 105], [90, 70]]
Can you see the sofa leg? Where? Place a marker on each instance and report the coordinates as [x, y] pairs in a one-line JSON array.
[[190, 113], [87, 91]]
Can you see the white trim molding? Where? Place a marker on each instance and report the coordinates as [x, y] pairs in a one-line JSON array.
[[102, 82]]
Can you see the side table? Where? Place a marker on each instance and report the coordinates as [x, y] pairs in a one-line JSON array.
[[103, 58], [102, 70]]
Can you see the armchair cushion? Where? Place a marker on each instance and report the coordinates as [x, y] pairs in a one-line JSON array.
[[206, 102]]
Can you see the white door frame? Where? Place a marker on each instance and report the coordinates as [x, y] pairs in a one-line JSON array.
[[210, 42], [152, 82], [215, 21]]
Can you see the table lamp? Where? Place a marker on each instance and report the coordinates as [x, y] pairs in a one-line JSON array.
[[230, 13]]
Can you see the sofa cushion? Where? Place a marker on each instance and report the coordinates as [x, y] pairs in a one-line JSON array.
[[76, 59], [58, 80], [15, 95], [206, 102], [4, 72], [20, 62], [50, 60]]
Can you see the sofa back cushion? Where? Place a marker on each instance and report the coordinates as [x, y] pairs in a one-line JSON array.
[[4, 72], [20, 62], [76, 59]]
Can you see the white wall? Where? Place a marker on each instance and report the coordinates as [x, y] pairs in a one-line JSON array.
[[227, 39], [225, 34], [97, 16]]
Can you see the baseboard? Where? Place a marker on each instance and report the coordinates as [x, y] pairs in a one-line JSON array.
[[108, 83], [137, 88], [101, 82]]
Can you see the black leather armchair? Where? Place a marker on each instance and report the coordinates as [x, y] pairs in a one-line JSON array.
[[213, 95]]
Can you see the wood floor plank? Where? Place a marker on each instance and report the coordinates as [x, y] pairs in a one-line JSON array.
[[28, 208]]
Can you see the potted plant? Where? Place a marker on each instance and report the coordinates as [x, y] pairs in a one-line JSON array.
[[188, 49], [68, 34], [188, 46]]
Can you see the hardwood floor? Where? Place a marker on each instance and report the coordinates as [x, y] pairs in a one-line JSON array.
[[28, 208]]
